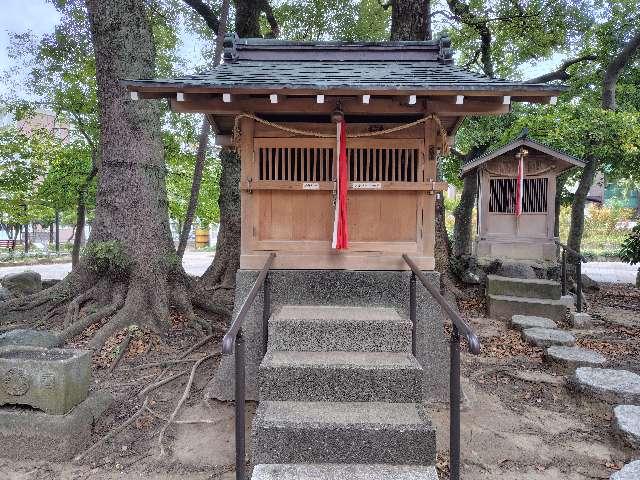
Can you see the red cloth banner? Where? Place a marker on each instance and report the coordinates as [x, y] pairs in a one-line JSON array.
[[520, 186], [340, 227]]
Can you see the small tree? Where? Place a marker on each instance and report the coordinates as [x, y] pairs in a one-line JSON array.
[[630, 250]]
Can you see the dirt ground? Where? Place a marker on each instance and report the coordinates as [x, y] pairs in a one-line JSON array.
[[519, 420]]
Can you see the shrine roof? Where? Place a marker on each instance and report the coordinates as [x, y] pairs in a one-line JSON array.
[[522, 140], [277, 66]]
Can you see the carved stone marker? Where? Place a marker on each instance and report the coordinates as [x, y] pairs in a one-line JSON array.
[[53, 380]]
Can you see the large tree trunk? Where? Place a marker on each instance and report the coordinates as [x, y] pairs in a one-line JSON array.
[[579, 202], [411, 20], [138, 275], [463, 227]]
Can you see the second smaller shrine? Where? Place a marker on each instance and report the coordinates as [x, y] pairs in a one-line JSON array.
[[516, 199]]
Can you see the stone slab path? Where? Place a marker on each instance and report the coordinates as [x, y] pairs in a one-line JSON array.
[[521, 322], [608, 385], [567, 359], [626, 421], [546, 337], [631, 471]]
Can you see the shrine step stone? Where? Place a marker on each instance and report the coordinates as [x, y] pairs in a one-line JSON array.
[[521, 322], [506, 306], [608, 385], [546, 337], [342, 432], [630, 471], [337, 328], [340, 376], [523, 287], [566, 359], [626, 422], [343, 472]]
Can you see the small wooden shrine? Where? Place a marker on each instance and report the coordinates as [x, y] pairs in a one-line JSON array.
[[277, 101], [516, 199]]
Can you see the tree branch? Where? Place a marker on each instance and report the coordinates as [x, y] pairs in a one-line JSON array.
[[614, 69], [265, 6], [561, 72], [463, 12], [205, 12]]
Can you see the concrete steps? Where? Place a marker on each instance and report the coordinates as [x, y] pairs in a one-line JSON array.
[[340, 397], [340, 377], [523, 287], [344, 472], [343, 432], [329, 328], [505, 306]]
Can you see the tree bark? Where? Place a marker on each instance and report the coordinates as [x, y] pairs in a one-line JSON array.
[[411, 20], [463, 214]]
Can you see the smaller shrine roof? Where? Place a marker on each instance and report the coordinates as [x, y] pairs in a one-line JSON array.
[[522, 140]]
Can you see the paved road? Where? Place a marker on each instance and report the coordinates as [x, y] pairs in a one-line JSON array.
[[194, 263], [613, 272]]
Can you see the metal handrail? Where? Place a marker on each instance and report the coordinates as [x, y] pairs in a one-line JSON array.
[[233, 342], [462, 326], [563, 272], [229, 339], [459, 326]]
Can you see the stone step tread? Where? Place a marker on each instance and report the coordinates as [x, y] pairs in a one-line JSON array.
[[363, 415], [631, 471], [575, 355], [626, 421], [608, 385], [342, 360], [511, 298], [332, 471], [528, 281], [318, 313], [546, 337], [531, 321]]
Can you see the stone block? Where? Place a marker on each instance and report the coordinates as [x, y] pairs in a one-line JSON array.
[[521, 322], [504, 307], [630, 471], [523, 287], [565, 360], [546, 337], [580, 320], [343, 472], [626, 422], [23, 283], [53, 380], [343, 288], [608, 385], [351, 432], [33, 435], [340, 377], [330, 328], [29, 338]]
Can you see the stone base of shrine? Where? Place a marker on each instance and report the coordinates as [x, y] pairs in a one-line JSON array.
[[540, 250], [340, 287]]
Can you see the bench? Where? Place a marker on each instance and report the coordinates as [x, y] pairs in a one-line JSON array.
[[10, 244]]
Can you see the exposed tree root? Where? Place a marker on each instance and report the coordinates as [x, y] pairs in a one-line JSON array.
[[185, 395], [124, 346]]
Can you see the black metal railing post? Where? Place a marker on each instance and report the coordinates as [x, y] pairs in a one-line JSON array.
[[454, 405], [266, 313], [564, 272], [413, 306], [240, 407], [579, 285]]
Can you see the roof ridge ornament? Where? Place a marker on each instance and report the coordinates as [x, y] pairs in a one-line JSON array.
[[229, 44], [445, 55]]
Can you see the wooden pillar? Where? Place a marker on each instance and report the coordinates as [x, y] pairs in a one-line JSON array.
[[428, 201], [247, 171]]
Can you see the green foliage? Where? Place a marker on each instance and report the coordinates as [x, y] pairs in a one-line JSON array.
[[107, 258], [630, 249], [333, 20]]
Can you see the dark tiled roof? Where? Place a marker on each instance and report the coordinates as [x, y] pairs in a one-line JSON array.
[[255, 64]]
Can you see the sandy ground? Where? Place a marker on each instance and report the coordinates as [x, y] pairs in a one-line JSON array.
[[519, 420]]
